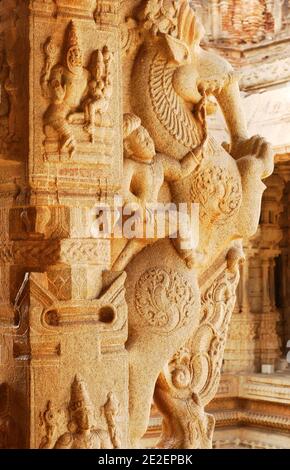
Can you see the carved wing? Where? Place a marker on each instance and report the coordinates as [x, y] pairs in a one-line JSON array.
[[169, 107]]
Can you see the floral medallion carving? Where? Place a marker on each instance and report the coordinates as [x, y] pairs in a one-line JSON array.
[[164, 300], [218, 192]]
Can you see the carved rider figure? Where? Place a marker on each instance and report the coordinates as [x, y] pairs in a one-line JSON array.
[[144, 174]]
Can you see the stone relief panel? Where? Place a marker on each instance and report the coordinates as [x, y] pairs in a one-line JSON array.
[[83, 427], [80, 97], [97, 330], [78, 123]]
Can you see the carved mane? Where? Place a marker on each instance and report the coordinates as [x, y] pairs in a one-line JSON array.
[[168, 106]]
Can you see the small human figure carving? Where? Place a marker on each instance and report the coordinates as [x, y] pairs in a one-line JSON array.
[[111, 410], [47, 419], [144, 175], [81, 432], [100, 89]]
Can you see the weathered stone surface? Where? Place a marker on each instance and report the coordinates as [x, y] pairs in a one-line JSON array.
[[105, 98]]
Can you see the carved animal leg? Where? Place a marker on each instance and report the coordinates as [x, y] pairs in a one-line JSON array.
[[164, 311], [132, 248], [185, 424], [142, 382], [191, 379], [147, 357]]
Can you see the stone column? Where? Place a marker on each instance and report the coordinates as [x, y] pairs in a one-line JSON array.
[[284, 274], [240, 348], [63, 366], [215, 15], [269, 250], [266, 302]]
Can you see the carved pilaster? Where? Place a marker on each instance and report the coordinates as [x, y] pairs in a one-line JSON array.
[[60, 332]]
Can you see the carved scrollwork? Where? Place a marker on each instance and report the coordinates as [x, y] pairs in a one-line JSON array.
[[164, 300], [191, 379], [218, 193], [198, 364]]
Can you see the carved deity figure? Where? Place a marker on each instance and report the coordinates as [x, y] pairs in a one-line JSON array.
[[65, 85], [144, 175], [172, 83], [81, 432], [100, 89]]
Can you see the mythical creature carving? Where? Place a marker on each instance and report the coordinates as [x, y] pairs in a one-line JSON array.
[[173, 87]]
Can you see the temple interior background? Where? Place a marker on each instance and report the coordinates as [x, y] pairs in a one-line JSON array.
[[252, 404]]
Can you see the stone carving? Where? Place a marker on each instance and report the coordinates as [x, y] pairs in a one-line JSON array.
[[131, 36], [147, 172], [218, 194], [172, 83], [78, 96], [82, 433], [163, 300], [151, 320], [100, 90], [193, 376], [106, 12], [65, 84], [47, 420], [111, 411]]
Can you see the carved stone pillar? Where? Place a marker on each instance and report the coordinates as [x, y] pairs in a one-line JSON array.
[[63, 365], [284, 274], [269, 250], [216, 20], [93, 326], [240, 352]]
